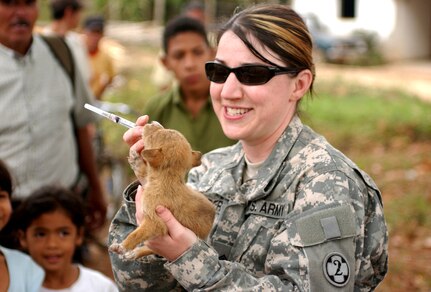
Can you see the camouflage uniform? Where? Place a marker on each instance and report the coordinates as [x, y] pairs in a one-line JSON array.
[[311, 220]]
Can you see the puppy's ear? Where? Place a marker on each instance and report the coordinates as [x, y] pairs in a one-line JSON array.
[[154, 157], [196, 158]]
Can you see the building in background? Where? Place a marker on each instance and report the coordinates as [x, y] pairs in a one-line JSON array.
[[403, 26]]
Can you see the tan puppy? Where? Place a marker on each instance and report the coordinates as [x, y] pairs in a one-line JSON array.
[[162, 168]]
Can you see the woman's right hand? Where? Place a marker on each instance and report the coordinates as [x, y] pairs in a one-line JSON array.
[[133, 136]]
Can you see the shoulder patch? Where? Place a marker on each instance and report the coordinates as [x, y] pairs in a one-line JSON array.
[[336, 269]]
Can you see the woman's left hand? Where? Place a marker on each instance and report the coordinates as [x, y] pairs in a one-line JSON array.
[[176, 241]]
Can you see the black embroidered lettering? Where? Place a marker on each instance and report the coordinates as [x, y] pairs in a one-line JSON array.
[[279, 210], [263, 208], [271, 209]]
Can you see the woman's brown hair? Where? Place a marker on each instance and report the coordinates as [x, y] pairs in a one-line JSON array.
[[278, 28]]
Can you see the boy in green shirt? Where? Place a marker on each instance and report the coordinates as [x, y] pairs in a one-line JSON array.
[[187, 106]]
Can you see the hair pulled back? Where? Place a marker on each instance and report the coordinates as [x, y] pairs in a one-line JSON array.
[[277, 28]]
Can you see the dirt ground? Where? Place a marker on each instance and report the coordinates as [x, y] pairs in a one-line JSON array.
[[409, 76], [412, 254]]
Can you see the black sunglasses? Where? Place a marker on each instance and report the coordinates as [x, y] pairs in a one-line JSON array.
[[247, 74]]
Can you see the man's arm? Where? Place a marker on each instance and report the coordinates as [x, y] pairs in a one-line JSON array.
[[97, 204]]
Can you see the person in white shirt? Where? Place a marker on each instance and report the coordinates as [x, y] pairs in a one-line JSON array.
[[45, 127], [66, 16]]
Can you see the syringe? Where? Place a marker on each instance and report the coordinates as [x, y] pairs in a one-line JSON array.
[[112, 117]]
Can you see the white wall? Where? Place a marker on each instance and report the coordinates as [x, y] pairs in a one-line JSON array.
[[411, 37], [403, 26], [373, 15]]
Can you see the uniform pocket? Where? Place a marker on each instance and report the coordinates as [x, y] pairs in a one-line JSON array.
[[327, 238], [251, 247]]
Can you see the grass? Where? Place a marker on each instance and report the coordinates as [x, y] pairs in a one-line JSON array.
[[353, 115], [386, 132]]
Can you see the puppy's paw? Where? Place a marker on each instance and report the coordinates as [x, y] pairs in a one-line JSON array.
[[135, 160], [138, 165], [117, 248], [130, 255]]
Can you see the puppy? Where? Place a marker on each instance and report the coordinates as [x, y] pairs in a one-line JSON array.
[[161, 169]]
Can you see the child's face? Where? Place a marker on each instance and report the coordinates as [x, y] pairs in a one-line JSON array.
[[186, 57], [51, 240], [5, 208]]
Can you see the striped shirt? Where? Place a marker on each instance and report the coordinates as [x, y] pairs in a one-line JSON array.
[[37, 140]]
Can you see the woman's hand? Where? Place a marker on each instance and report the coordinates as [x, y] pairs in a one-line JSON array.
[[176, 242]]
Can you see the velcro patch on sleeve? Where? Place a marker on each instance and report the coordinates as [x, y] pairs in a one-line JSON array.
[[326, 224]]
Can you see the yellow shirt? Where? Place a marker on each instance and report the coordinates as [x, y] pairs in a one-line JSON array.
[[102, 71]]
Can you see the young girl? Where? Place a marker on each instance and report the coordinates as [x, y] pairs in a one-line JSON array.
[[18, 272], [51, 227]]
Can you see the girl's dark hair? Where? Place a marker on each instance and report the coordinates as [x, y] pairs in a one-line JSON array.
[[49, 199], [6, 180], [278, 28], [180, 25]]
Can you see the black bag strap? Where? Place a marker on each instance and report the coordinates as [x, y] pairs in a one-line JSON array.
[[62, 53]]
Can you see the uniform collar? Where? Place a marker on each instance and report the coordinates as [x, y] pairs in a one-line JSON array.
[[231, 160], [266, 177]]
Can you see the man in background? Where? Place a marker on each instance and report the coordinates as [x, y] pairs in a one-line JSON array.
[[164, 79], [66, 17], [102, 67], [44, 129]]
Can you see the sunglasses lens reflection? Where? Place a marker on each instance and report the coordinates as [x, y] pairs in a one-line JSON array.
[[248, 75], [217, 73]]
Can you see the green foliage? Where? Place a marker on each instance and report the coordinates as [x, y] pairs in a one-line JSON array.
[[351, 115]]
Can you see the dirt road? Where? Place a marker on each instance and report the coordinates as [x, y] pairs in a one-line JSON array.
[[411, 76]]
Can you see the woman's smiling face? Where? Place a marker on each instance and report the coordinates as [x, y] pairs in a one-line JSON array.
[[253, 114]]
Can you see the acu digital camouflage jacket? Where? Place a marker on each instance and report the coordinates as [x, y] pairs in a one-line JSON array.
[[310, 220]]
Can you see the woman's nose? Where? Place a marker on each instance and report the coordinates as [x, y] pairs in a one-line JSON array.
[[232, 88]]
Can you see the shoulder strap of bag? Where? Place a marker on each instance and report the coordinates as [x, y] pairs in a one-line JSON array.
[[62, 53]]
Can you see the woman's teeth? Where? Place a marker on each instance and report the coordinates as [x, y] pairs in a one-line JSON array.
[[236, 111]]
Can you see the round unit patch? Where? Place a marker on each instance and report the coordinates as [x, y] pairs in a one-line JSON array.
[[336, 269]]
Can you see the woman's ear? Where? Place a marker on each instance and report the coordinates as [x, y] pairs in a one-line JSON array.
[[302, 83]]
